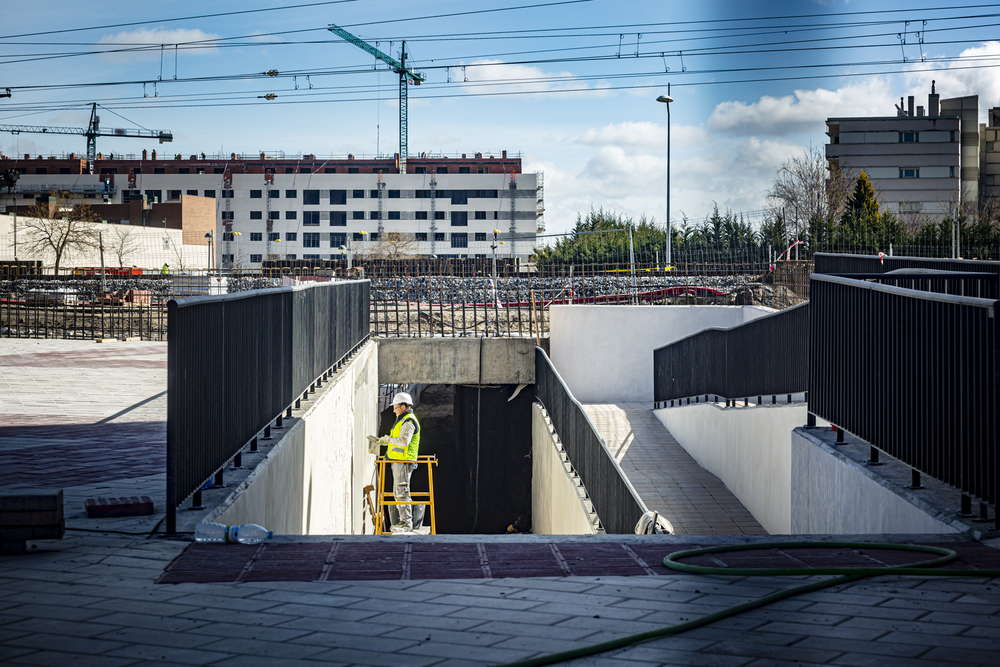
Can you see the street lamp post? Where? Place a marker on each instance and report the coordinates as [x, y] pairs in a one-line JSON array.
[[666, 99], [210, 236]]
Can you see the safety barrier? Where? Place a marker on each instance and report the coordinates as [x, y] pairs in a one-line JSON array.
[[237, 362], [912, 372], [828, 263], [768, 356], [617, 504]]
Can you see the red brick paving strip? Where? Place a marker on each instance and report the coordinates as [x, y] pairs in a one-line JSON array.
[[311, 561], [108, 357]]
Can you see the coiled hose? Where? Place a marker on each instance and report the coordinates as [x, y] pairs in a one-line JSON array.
[[846, 575]]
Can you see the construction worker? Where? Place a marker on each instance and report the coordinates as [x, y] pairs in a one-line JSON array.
[[402, 444]]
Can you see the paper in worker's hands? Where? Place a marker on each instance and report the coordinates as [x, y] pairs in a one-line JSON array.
[[374, 444]]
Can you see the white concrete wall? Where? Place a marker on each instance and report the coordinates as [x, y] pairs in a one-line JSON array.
[[557, 507], [834, 495], [311, 482], [749, 449], [605, 353]]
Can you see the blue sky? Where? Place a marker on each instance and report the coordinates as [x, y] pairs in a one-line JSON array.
[[562, 84]]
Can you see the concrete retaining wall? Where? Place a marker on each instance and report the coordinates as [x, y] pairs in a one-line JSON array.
[[835, 495], [749, 449], [605, 353], [311, 482], [456, 360], [557, 504]]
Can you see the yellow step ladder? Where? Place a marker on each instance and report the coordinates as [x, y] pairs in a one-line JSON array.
[[383, 497]]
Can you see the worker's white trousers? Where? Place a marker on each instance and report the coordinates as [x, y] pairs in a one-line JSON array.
[[401, 491]]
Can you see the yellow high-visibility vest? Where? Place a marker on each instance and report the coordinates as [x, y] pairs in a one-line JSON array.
[[408, 453]]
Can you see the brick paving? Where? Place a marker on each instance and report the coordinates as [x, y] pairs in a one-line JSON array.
[[666, 477], [92, 597]]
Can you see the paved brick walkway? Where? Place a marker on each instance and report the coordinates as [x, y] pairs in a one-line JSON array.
[[666, 477]]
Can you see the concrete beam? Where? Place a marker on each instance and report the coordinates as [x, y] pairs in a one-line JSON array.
[[456, 360]]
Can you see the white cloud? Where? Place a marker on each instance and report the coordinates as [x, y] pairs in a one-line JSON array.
[[512, 78], [981, 78], [154, 38], [804, 111]]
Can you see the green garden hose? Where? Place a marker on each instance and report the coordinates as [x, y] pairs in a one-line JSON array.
[[847, 575]]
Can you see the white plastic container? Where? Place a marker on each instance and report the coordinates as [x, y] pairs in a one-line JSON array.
[[248, 533]]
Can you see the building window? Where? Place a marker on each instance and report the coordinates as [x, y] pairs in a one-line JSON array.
[[463, 170], [358, 236], [373, 194], [909, 137], [292, 256], [255, 259], [420, 170], [311, 256], [159, 170], [330, 170], [486, 170], [481, 215], [256, 215], [442, 170], [353, 170], [485, 194], [909, 173], [291, 236], [227, 236], [393, 194], [373, 215], [256, 236], [291, 194], [459, 219], [310, 197], [357, 194], [951, 172], [274, 215], [227, 215], [338, 218], [256, 194], [420, 236], [373, 236], [338, 197], [310, 240], [459, 197], [210, 193], [219, 170], [291, 215], [273, 236], [990, 145], [358, 215], [289, 170], [439, 215], [337, 239], [459, 240], [480, 236], [154, 196], [193, 193], [274, 194], [227, 194], [439, 236], [310, 218], [173, 194], [421, 215], [394, 215]]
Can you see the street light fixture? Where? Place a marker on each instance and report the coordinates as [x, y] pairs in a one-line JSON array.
[[210, 236], [666, 99]]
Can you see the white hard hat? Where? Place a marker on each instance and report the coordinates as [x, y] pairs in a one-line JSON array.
[[402, 397]]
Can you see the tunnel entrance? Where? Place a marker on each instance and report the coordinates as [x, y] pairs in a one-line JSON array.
[[481, 436]]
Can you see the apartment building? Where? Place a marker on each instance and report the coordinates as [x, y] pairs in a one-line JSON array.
[[922, 162], [316, 208]]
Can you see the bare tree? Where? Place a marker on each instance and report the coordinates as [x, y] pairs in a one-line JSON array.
[[390, 245], [807, 185], [123, 241], [71, 232]]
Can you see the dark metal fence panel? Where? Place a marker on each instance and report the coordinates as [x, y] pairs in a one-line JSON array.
[[766, 356], [616, 502], [827, 263], [236, 362], [911, 372]]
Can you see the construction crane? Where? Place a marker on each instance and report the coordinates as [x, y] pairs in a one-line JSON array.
[[92, 131], [406, 76]]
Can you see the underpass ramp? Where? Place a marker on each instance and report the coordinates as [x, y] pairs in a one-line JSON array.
[[666, 477]]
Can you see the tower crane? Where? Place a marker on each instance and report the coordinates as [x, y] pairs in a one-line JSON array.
[[92, 131], [406, 76]]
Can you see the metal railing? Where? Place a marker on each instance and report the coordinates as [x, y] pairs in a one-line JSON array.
[[912, 372], [767, 356], [617, 504], [828, 263], [237, 362]]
